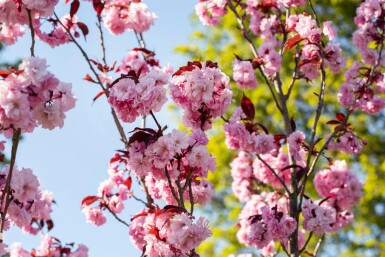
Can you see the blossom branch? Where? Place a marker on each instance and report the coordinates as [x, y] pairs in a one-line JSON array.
[[253, 48], [307, 242], [150, 200], [318, 246], [32, 32], [82, 51], [99, 25], [172, 187], [275, 174], [117, 217], [7, 190]]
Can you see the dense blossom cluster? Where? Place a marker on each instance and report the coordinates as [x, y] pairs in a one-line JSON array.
[[246, 137], [348, 143], [210, 11], [364, 84], [49, 246], [122, 15], [33, 96], [244, 74], [168, 232], [265, 218], [58, 34], [202, 91], [28, 206], [13, 14], [141, 91]]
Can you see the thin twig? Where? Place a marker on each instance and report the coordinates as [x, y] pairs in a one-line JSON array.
[[314, 13], [82, 51], [32, 32], [318, 246], [116, 217], [150, 200], [99, 25], [253, 48], [156, 121], [275, 174], [172, 187], [307, 242], [191, 196], [7, 190]]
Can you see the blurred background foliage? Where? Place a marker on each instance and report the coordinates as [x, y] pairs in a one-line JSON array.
[[365, 237]]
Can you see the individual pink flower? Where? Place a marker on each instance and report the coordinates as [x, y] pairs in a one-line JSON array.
[[318, 218], [295, 142], [9, 33], [244, 74], [94, 215], [328, 30], [340, 184], [202, 91], [210, 11]]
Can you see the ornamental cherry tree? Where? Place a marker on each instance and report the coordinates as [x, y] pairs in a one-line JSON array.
[[172, 167]]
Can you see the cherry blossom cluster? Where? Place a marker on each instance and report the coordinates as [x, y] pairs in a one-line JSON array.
[[364, 86], [111, 194], [243, 134], [57, 35], [341, 189], [348, 143], [210, 11], [173, 157], [122, 15], [265, 219], [244, 74], [202, 91], [33, 96], [14, 14], [171, 231], [172, 167], [177, 157], [29, 208], [49, 246], [140, 90]]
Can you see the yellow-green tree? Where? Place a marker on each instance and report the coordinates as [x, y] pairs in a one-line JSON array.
[[365, 236]]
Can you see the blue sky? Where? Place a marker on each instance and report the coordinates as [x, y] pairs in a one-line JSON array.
[[72, 161]]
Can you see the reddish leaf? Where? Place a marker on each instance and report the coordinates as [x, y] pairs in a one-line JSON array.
[[4, 73], [333, 122], [293, 41], [116, 158], [100, 94], [83, 27], [248, 107], [65, 251], [211, 64], [340, 116], [195, 63], [140, 136], [74, 8], [128, 183], [88, 78], [182, 70], [98, 6], [49, 224], [89, 200], [147, 52], [255, 218]]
